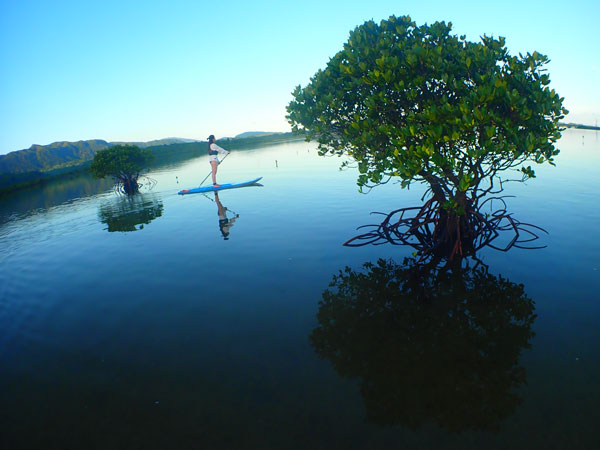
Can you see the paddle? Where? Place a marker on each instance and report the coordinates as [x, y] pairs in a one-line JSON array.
[[226, 209], [211, 170]]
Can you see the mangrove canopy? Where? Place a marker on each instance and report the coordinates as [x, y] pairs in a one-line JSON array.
[[123, 162], [419, 104]]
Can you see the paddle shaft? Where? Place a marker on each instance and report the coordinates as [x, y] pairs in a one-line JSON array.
[[209, 173], [212, 200]]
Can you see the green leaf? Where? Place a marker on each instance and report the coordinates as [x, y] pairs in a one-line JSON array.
[[400, 89], [464, 183]]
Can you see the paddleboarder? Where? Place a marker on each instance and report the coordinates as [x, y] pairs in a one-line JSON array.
[[213, 151]]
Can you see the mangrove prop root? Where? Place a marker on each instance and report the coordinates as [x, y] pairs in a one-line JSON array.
[[430, 231], [143, 181]]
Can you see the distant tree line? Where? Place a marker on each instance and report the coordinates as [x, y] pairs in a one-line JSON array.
[[580, 126], [39, 163]]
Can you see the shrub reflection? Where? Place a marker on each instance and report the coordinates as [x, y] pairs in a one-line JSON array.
[[130, 213]]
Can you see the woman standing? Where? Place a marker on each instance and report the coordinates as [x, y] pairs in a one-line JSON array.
[[213, 151]]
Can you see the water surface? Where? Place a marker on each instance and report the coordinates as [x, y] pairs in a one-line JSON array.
[[133, 323]]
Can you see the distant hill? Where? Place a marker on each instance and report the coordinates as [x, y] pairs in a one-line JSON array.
[[580, 126], [41, 158], [165, 141], [255, 134]]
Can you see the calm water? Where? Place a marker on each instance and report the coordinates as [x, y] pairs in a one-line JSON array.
[[133, 323]]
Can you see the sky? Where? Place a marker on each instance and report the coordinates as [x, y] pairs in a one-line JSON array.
[[143, 70]]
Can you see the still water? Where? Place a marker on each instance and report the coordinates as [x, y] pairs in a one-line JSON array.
[[136, 323]]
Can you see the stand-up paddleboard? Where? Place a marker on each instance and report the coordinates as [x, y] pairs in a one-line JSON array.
[[219, 188]]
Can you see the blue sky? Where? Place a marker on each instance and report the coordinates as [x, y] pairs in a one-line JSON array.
[[142, 70]]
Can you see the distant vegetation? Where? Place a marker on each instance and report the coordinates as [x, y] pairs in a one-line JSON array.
[[165, 141], [42, 162], [254, 134], [580, 126]]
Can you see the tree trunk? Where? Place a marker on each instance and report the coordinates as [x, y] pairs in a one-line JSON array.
[[130, 185], [453, 233]]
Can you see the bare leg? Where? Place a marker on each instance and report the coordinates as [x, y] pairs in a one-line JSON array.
[[221, 209], [214, 165]]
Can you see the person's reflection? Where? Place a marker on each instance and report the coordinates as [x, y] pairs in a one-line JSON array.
[[224, 222]]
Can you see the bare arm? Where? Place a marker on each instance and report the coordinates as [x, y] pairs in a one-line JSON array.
[[215, 147]]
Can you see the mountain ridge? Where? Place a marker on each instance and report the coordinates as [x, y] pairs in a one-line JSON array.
[[59, 154], [254, 134]]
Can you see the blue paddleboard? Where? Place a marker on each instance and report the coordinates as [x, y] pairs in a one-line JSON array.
[[220, 188]]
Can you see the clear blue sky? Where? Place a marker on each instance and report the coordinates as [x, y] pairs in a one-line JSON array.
[[142, 70]]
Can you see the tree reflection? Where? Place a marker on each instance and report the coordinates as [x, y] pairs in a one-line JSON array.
[[428, 344], [126, 213]]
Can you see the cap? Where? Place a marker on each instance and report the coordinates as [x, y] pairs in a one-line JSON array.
[[212, 136]]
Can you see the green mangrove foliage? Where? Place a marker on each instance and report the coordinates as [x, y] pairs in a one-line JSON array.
[[419, 104], [124, 163]]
